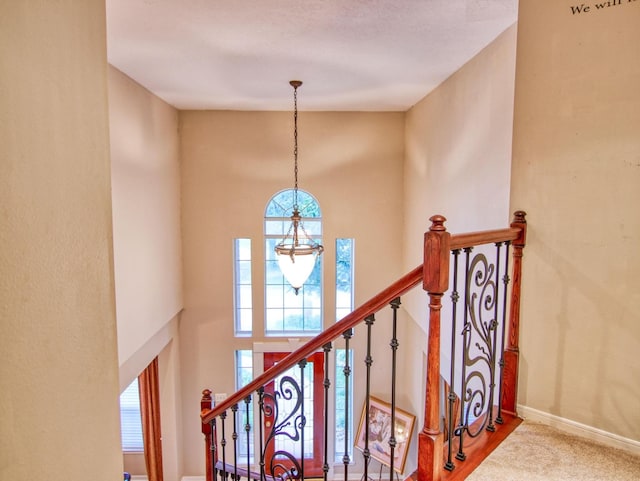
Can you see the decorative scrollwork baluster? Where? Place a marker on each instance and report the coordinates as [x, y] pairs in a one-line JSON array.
[[282, 464], [463, 381], [479, 353]]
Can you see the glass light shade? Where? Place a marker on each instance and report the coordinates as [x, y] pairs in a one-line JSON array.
[[297, 262]]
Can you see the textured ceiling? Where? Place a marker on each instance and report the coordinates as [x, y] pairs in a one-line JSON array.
[[350, 54]]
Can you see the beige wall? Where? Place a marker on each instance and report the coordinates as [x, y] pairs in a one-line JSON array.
[[458, 143], [458, 152], [458, 158], [576, 171], [145, 171], [59, 371], [233, 162]]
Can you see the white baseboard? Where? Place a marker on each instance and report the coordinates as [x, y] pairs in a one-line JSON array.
[[572, 427]]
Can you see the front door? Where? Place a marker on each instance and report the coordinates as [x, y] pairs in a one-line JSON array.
[[282, 431]]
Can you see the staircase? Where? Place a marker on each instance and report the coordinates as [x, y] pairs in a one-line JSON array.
[[470, 403]]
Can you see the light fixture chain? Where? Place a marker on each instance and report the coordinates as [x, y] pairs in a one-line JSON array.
[[295, 147], [297, 252]]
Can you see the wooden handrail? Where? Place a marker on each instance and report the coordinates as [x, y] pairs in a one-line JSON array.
[[401, 286], [470, 239], [398, 288]]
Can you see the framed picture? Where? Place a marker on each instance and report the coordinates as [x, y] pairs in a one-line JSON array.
[[379, 428]]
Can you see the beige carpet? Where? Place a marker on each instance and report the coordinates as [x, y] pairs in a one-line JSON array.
[[535, 452]]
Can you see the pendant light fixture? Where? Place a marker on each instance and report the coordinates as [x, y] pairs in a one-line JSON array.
[[296, 252]]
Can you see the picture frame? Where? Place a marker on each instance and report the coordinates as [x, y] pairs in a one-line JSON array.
[[379, 426]]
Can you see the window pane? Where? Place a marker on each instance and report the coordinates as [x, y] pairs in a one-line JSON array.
[[269, 253], [244, 297], [313, 227], [312, 297], [273, 274], [281, 204], [293, 320], [246, 319], [274, 296], [313, 320], [244, 272], [243, 248], [291, 299], [274, 321], [243, 300], [130, 420], [344, 277], [277, 227]]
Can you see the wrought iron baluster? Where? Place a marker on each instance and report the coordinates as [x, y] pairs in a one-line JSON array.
[[492, 382], [260, 434], [247, 429], [234, 436], [465, 334], [369, 320], [213, 448], [347, 372], [451, 395], [223, 444], [505, 282], [326, 384], [395, 304]]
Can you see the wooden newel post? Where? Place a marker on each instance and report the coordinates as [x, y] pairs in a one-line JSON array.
[[206, 404], [511, 354], [436, 282]]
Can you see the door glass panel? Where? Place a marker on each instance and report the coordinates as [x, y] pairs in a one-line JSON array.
[[284, 443], [286, 422]]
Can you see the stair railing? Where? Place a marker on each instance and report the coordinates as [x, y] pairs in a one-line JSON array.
[[480, 401]]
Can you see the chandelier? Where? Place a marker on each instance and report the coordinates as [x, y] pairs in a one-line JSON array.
[[296, 252]]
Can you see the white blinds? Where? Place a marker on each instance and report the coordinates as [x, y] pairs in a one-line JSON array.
[[130, 421]]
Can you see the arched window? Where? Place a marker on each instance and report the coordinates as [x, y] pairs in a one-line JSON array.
[[285, 312]]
